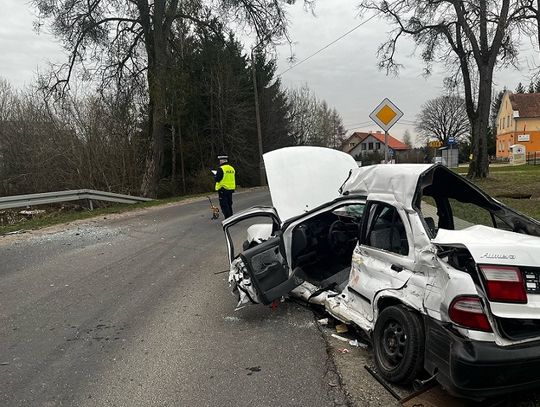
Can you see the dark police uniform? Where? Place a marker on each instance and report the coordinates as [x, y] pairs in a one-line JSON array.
[[225, 186]]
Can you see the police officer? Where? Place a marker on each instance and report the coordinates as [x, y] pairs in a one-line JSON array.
[[225, 185]]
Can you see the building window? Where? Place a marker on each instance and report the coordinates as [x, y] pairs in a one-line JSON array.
[[352, 144], [370, 146], [363, 146], [377, 146]]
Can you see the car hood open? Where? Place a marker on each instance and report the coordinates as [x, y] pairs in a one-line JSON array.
[[303, 178], [493, 246]]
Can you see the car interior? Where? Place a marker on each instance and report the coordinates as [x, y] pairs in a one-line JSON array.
[[387, 231], [322, 246]]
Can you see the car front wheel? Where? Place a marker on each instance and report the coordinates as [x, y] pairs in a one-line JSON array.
[[398, 344]]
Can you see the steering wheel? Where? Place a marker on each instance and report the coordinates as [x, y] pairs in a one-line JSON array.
[[338, 238]]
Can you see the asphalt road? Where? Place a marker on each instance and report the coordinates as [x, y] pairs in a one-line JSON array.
[[129, 311]]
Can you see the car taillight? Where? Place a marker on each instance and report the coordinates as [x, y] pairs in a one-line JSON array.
[[469, 313], [504, 284]]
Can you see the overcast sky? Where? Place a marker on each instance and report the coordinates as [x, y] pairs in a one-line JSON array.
[[345, 74]]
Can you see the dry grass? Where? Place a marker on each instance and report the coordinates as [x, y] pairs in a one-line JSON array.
[[507, 181]]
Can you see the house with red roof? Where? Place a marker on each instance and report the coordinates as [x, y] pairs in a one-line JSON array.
[[518, 122], [359, 144]]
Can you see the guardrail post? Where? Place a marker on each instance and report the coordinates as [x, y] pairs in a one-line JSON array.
[[90, 204]]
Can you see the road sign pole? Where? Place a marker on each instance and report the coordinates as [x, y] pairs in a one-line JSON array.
[[386, 147]]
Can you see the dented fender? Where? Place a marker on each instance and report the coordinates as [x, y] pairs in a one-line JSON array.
[[411, 297]]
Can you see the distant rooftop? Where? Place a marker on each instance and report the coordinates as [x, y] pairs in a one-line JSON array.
[[358, 136], [527, 104]]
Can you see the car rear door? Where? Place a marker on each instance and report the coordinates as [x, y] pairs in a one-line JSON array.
[[383, 259]]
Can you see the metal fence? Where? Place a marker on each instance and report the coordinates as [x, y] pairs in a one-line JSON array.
[[20, 201], [533, 158]]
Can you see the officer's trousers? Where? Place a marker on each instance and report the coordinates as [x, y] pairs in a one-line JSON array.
[[225, 202]]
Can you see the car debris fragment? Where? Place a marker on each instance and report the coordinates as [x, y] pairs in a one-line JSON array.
[[340, 338]]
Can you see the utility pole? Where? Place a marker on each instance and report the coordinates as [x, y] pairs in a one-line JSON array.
[[262, 179]]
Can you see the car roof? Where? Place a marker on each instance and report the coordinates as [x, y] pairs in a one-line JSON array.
[[399, 180]]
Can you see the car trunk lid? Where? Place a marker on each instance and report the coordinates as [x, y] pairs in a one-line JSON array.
[[500, 253]]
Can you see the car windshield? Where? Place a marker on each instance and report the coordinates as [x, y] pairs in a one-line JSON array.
[[350, 211]]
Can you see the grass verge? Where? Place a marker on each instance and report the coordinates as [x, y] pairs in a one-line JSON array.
[[55, 218], [506, 181]]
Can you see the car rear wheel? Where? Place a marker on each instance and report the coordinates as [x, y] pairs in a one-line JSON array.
[[398, 342]]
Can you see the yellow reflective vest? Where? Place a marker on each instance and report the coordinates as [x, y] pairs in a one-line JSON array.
[[228, 181]]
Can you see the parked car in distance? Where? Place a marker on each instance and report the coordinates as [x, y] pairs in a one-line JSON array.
[[442, 277]]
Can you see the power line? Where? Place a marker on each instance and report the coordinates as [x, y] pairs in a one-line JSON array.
[[360, 127], [358, 124], [328, 45]]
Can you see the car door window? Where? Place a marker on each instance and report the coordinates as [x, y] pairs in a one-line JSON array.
[[430, 214], [386, 230], [250, 232], [467, 214]]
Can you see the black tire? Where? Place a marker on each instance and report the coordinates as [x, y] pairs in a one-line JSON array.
[[398, 344]]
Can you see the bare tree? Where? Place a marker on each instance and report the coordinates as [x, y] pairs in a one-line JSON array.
[[532, 13], [303, 107], [313, 122], [117, 40], [407, 138], [443, 118], [472, 37]]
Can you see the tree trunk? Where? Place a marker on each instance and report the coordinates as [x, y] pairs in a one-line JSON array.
[[154, 159], [182, 165], [479, 166], [156, 46], [173, 160]]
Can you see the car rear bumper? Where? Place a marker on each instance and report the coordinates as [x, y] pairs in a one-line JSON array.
[[479, 369]]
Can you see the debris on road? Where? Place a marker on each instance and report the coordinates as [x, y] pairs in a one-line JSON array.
[[357, 344], [253, 369], [341, 328], [4, 363], [341, 338], [323, 321], [343, 350], [15, 232]]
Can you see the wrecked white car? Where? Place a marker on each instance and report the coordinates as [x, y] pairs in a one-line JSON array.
[[442, 277]]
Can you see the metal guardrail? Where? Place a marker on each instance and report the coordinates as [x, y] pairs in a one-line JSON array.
[[19, 201]]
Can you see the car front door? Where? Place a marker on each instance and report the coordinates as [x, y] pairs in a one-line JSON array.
[[383, 259], [262, 267]]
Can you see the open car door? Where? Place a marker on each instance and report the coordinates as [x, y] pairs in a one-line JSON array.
[[259, 273], [267, 269]]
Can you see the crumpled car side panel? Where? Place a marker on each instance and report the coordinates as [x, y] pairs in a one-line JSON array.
[[241, 285]]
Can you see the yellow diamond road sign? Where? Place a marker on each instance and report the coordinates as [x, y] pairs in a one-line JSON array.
[[386, 114]]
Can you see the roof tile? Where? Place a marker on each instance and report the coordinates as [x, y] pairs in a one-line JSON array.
[[527, 104]]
